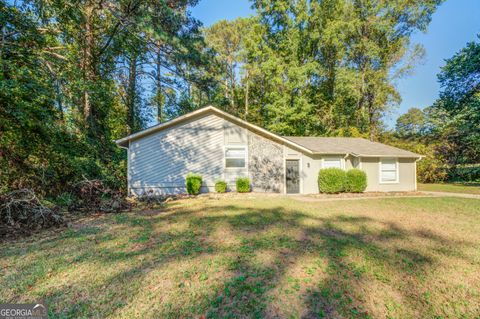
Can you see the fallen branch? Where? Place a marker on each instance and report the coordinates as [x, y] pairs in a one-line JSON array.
[[21, 210], [94, 196]]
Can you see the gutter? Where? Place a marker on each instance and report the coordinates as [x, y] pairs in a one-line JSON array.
[[418, 156]]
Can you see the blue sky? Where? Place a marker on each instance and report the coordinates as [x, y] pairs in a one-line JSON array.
[[455, 23]]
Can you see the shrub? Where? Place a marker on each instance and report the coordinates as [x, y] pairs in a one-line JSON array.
[[464, 173], [193, 183], [356, 181], [220, 186], [66, 200], [431, 170], [243, 185], [331, 180]]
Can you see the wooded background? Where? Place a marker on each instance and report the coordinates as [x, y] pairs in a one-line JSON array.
[[76, 75]]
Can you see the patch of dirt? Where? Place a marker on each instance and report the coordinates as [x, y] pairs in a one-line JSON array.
[[150, 212], [77, 223]]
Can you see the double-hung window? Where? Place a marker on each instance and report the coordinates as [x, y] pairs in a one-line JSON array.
[[332, 162], [235, 156], [388, 170]]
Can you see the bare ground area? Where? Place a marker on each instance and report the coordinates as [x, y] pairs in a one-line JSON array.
[[257, 256]]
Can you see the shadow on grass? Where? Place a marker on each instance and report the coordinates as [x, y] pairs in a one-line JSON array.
[[349, 253]]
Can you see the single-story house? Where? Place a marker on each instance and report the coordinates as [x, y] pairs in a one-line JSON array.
[[218, 145]]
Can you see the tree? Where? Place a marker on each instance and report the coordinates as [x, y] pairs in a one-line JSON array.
[[329, 65], [74, 77], [459, 105], [228, 40], [411, 123]]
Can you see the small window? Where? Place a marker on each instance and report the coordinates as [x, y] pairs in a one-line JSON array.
[[388, 170], [235, 157], [332, 162]]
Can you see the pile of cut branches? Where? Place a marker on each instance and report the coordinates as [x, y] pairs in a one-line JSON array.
[[22, 212], [94, 196]]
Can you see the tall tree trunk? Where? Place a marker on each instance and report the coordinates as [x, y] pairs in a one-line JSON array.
[[361, 98], [247, 84], [158, 84], [372, 114], [131, 94], [232, 88], [226, 88], [2, 44], [88, 64], [58, 91]]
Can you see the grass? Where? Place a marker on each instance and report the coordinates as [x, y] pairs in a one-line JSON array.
[[254, 257], [473, 188]]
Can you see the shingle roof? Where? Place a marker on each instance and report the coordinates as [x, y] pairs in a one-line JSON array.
[[349, 145], [310, 145]]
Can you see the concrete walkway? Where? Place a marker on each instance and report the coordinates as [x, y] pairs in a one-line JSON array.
[[445, 194], [303, 198]]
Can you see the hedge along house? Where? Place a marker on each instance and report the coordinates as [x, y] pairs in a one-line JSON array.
[[218, 145]]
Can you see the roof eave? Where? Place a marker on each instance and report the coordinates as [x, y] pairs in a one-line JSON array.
[[331, 153], [391, 155]]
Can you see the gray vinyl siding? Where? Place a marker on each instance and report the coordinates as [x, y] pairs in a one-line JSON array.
[[406, 175], [234, 135], [159, 163]]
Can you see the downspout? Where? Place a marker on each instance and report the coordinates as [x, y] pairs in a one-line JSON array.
[[344, 161], [415, 177]]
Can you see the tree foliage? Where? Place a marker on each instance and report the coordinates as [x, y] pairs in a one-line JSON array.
[[319, 67], [76, 76], [412, 123], [459, 106], [447, 132]]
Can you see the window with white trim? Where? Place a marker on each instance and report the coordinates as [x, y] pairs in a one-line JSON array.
[[388, 170], [235, 156], [332, 162]]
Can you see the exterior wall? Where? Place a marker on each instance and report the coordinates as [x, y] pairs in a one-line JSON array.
[[158, 163], [234, 135], [311, 165], [351, 162], [265, 164], [406, 175]]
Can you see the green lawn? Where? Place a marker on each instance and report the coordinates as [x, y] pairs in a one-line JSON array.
[[253, 256], [451, 188]]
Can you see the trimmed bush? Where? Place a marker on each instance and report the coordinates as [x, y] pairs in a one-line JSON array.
[[331, 180], [220, 186], [193, 183], [356, 181], [243, 184]]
